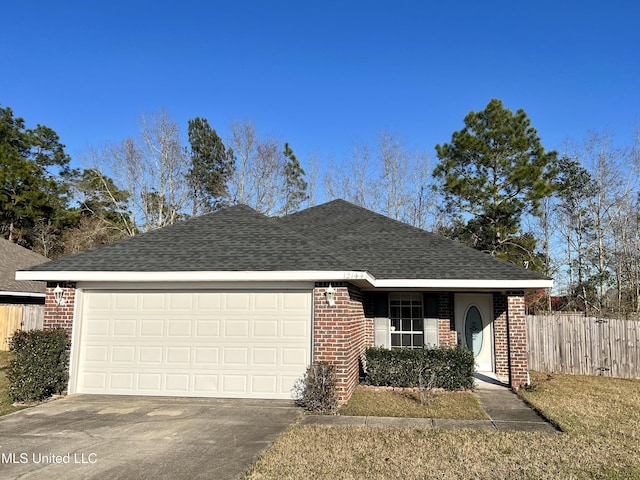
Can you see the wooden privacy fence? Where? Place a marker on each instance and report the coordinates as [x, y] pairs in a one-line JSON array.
[[19, 317], [569, 343]]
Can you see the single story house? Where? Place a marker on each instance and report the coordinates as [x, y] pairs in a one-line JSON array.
[[12, 258], [236, 304]]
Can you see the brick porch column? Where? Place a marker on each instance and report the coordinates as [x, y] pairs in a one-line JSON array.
[[339, 334], [517, 339], [500, 340]]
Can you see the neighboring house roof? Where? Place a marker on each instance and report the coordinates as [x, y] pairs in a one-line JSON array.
[[12, 258], [334, 237]]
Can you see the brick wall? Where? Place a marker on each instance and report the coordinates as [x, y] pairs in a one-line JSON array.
[[59, 316], [446, 321], [340, 333]]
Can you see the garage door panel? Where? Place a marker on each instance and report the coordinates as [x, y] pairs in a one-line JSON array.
[[149, 382], [265, 356], [152, 328], [234, 383], [180, 301], [178, 382], [293, 356], [121, 381], [237, 302], [125, 302], [94, 381], [293, 329], [97, 353], [151, 302], [179, 328], [218, 344], [265, 328], [207, 384], [208, 303], [236, 328], [207, 328], [207, 356], [124, 327], [99, 327], [150, 354], [123, 354], [265, 384]]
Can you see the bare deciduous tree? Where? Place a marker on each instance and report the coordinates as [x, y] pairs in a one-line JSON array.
[[392, 181], [151, 169], [260, 177]]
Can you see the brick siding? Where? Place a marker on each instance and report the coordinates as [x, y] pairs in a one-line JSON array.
[[447, 335], [517, 330], [510, 338], [341, 333], [500, 342], [59, 316]]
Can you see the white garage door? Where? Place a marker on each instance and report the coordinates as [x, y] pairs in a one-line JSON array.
[[235, 344]]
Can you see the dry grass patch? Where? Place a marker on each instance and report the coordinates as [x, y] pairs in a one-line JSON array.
[[585, 405], [388, 403], [600, 416], [5, 401]]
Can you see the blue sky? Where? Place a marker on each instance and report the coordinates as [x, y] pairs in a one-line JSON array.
[[322, 75]]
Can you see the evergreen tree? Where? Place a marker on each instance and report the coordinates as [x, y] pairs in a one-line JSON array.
[[295, 184], [34, 178], [212, 164], [494, 171]]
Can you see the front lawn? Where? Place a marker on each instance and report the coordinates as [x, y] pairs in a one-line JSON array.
[[600, 416], [387, 403], [5, 402]]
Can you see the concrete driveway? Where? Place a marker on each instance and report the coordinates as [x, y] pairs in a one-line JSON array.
[[117, 437]]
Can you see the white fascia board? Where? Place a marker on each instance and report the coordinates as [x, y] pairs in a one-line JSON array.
[[245, 276], [22, 294], [364, 279], [469, 284]]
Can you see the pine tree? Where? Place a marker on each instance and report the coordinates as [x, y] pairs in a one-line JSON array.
[[494, 171], [295, 184], [212, 165]]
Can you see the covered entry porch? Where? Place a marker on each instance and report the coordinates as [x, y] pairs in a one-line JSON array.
[[490, 323]]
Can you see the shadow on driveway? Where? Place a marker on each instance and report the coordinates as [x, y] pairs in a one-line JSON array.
[[122, 437]]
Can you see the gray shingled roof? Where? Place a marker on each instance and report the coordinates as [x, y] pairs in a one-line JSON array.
[[334, 236], [14, 257], [232, 239], [394, 250]]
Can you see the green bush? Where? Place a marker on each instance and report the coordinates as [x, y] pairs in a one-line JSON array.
[[39, 367], [441, 367], [316, 391]]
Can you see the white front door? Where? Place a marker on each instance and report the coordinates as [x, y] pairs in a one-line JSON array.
[[474, 313]]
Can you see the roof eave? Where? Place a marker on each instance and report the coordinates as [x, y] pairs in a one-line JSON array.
[[361, 278], [465, 284], [21, 294]]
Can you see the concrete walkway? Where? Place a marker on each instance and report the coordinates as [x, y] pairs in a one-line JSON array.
[[505, 409]]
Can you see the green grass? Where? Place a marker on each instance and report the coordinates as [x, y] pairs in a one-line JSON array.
[[387, 403], [600, 417], [5, 402]]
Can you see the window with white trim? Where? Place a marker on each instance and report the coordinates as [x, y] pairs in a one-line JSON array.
[[407, 320]]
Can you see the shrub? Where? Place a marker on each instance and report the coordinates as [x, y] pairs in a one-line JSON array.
[[38, 368], [316, 390], [441, 367]]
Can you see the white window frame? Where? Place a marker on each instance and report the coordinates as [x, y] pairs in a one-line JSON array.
[[410, 300]]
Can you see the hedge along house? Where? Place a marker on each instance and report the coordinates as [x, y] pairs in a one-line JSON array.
[[236, 304]]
